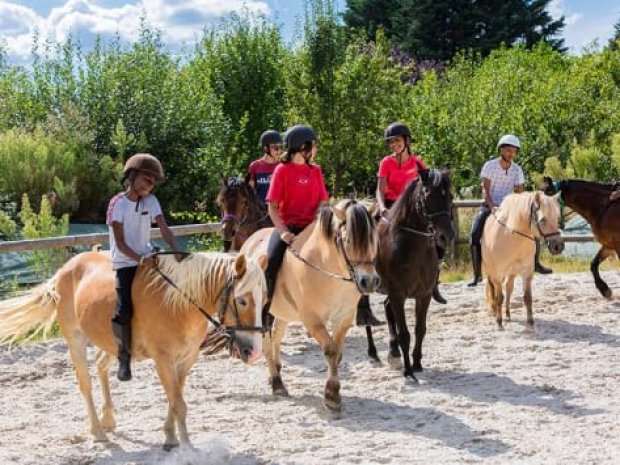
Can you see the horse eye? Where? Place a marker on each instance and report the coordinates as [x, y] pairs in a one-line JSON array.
[[242, 302]]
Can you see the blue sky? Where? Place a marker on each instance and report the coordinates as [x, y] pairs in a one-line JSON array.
[[182, 21]]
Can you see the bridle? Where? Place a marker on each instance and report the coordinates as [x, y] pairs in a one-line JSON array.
[[351, 264], [533, 219], [223, 298]]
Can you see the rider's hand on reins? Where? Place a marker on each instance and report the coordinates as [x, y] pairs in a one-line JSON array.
[[287, 236]]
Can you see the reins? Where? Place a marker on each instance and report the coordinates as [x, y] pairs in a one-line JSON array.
[[222, 296], [341, 248], [534, 220]]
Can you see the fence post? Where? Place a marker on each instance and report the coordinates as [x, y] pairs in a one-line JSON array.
[[456, 248]]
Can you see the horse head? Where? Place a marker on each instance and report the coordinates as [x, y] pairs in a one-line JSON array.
[[438, 198], [233, 200], [354, 230], [547, 218], [244, 304]]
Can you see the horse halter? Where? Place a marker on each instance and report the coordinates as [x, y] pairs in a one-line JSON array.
[[533, 219], [339, 242], [227, 331]]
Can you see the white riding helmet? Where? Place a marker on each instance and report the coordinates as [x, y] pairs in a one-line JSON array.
[[509, 139]]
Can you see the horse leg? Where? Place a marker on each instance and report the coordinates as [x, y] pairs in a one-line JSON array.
[[372, 349], [489, 297], [497, 299], [177, 409], [397, 305], [77, 350], [273, 356], [510, 285], [330, 351], [394, 359], [103, 368], [421, 311], [527, 300], [332, 389], [601, 285]]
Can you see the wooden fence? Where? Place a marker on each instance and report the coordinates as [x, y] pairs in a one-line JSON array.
[[208, 228]]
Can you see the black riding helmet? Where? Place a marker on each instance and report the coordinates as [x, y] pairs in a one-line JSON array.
[[270, 137], [397, 130], [297, 136]]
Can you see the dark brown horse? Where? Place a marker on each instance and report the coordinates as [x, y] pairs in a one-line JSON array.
[[591, 200], [242, 212], [408, 261]]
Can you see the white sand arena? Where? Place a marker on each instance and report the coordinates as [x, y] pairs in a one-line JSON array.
[[485, 396]]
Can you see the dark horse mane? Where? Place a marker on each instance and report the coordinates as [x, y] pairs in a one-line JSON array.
[[407, 208], [590, 185], [359, 224]]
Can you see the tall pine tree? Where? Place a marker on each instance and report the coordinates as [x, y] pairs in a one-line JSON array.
[[438, 29]]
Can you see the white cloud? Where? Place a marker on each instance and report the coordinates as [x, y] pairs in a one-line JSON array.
[[179, 20], [557, 9]]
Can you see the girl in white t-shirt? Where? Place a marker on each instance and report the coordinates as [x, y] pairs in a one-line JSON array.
[[129, 217]]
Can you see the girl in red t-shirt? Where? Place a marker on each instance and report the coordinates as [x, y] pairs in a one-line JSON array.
[[296, 192], [398, 169]]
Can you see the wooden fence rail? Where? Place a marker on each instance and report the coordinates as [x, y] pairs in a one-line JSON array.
[[208, 228]]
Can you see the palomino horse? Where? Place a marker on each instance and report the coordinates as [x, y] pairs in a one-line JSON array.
[[323, 274], [591, 200], [241, 212], [509, 244], [173, 306], [408, 264]]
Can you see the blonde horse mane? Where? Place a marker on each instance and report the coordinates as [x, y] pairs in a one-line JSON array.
[[200, 276], [359, 224], [516, 209]]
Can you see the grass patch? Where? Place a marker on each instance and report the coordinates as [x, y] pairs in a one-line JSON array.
[[458, 271]]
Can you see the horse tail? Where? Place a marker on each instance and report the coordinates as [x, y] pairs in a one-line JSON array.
[[31, 313]]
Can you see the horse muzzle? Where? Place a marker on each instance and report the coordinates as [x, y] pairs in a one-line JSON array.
[[555, 245], [245, 350], [368, 282]]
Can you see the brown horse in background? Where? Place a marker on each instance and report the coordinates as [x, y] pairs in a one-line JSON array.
[[242, 213], [174, 303], [591, 201], [509, 245]]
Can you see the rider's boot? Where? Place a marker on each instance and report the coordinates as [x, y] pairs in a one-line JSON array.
[[364, 315], [437, 295], [538, 267], [122, 334], [476, 263]]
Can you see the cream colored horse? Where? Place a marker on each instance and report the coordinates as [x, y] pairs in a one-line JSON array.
[[166, 327], [319, 283], [509, 245]]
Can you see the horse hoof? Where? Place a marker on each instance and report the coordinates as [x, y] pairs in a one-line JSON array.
[[607, 293], [417, 368], [101, 438], [281, 392], [374, 360], [332, 405], [169, 447], [411, 379], [395, 362]]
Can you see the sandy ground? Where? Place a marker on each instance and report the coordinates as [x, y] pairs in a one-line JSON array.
[[485, 396]]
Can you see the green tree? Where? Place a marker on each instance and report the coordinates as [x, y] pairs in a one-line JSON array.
[[243, 62], [438, 29], [613, 41]]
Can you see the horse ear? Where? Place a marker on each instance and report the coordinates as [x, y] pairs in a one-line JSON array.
[[240, 265], [537, 198], [339, 212], [547, 186], [263, 262]]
